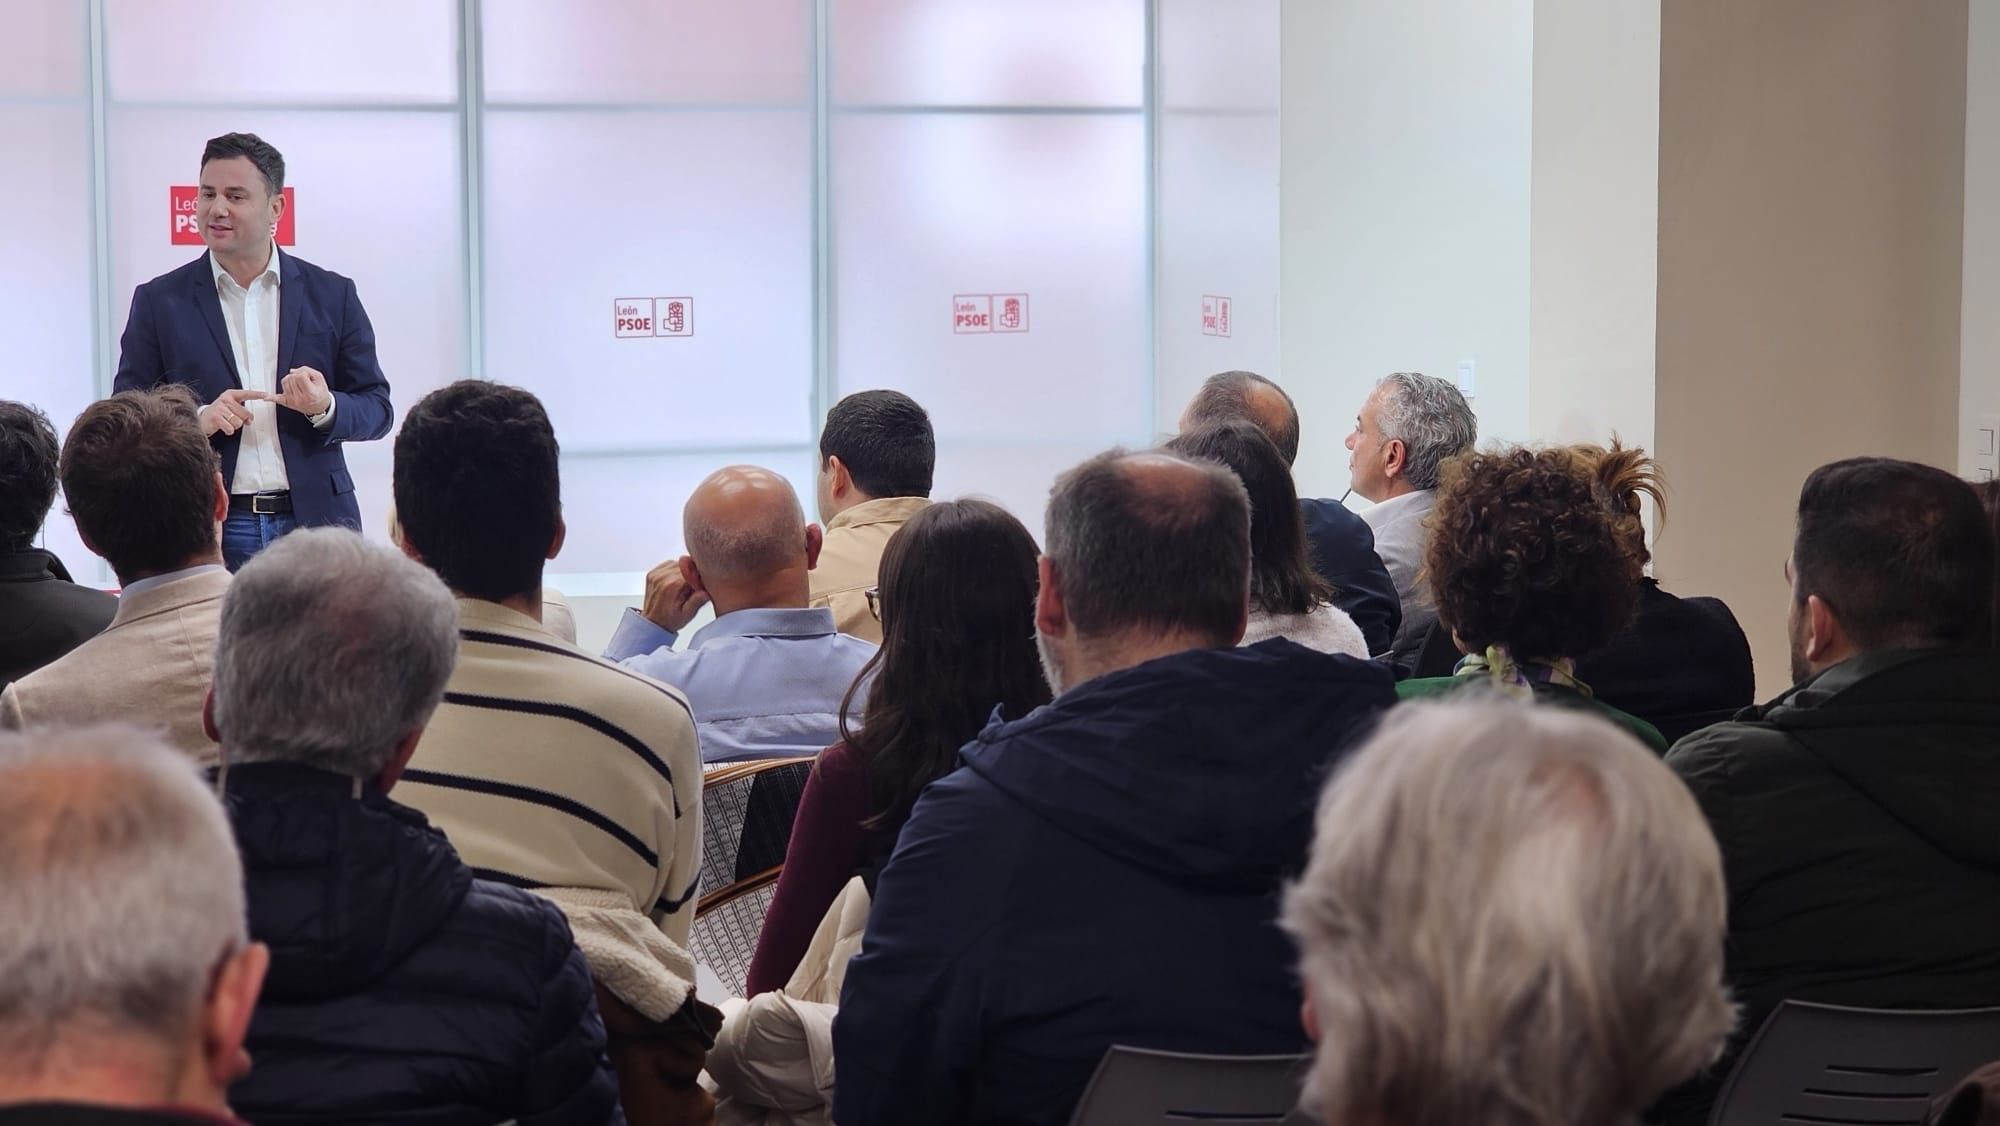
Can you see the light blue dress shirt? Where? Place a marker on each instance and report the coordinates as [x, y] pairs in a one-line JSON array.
[[763, 683]]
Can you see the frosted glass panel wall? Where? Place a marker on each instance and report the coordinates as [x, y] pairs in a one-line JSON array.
[[45, 129], [989, 204], [688, 226], [1218, 196]]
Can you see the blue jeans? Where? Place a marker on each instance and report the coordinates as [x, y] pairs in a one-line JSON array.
[[244, 534]]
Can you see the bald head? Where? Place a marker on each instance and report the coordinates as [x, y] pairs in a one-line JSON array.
[[744, 527], [1245, 396]]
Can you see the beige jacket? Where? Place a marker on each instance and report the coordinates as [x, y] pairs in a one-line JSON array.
[[851, 561], [150, 667]]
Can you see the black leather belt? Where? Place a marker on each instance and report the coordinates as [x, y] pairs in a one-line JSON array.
[[261, 504]]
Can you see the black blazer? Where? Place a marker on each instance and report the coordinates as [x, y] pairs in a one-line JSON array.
[[42, 614], [1682, 664], [1343, 552], [176, 334]]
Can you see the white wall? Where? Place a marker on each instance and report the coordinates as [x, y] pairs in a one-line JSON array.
[[1979, 326], [1405, 165], [1593, 268]]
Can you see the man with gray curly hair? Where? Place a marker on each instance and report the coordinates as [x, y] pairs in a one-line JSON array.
[[127, 978], [1512, 916], [1410, 425]]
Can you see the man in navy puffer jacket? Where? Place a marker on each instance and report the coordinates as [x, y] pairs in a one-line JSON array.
[[1106, 869], [401, 988]]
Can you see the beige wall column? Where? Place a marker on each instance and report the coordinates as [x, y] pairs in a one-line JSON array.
[[1812, 178]]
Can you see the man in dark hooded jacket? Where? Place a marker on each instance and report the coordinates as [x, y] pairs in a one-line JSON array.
[[1856, 811], [401, 988], [1106, 870]]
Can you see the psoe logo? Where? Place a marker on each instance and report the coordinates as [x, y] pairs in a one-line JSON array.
[[184, 199]]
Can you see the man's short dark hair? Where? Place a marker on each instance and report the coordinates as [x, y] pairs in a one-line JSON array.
[[1142, 545], [478, 487], [1901, 552], [139, 477], [253, 148], [27, 473], [1227, 397], [884, 439]]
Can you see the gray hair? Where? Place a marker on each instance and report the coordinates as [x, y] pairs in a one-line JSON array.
[[1512, 915], [1430, 418], [1153, 542], [1227, 397], [123, 891], [332, 650]]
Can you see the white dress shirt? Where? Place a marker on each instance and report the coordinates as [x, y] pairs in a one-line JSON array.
[[251, 315]]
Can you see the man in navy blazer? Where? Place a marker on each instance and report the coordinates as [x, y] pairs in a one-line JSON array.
[[279, 351]]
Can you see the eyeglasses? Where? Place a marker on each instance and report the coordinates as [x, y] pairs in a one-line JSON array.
[[874, 596]]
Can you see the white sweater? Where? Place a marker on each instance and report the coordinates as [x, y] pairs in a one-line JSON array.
[[1326, 628]]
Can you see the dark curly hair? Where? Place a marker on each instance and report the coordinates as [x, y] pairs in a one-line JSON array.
[[1524, 554]]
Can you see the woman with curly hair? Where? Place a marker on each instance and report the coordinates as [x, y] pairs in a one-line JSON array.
[[1530, 571]]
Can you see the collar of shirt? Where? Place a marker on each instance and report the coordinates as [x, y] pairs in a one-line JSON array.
[[1420, 499], [144, 585], [271, 270], [815, 621], [883, 510]]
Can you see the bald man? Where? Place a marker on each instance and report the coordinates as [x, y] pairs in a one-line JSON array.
[[767, 677]]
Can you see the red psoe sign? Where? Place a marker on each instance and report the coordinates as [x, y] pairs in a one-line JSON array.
[[1214, 316], [989, 312], [186, 227]]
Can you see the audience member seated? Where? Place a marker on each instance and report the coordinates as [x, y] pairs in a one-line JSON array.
[[876, 455], [967, 562], [549, 768], [557, 617], [1407, 429], [1530, 571], [1106, 870], [1511, 916], [143, 485], [47, 615], [126, 977], [1287, 597], [766, 677], [400, 987], [1682, 661], [1855, 811], [1341, 544]]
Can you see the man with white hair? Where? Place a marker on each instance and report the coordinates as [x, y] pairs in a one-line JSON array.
[[1512, 916], [127, 978], [1410, 425], [767, 677], [428, 993]]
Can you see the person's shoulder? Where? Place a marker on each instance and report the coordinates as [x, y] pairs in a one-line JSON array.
[[576, 678], [1426, 687], [1730, 752], [313, 272], [179, 275]]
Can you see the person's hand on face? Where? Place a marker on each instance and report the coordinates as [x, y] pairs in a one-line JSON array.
[[230, 412], [671, 603]]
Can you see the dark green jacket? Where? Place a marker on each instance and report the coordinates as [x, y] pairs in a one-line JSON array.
[[1554, 695], [1859, 819]]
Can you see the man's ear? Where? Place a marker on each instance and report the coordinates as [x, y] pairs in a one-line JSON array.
[[815, 539], [1308, 1018], [1051, 617], [556, 544], [221, 505], [405, 747], [1395, 456], [1824, 633], [691, 575], [225, 1019], [208, 716], [839, 481]]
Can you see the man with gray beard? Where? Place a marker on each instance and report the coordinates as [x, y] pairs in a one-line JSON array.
[[1106, 870]]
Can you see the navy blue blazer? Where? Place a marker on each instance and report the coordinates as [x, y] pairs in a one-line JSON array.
[[1343, 552], [176, 334]]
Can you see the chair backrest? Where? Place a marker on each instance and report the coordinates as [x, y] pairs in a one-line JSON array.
[[727, 922], [1140, 1087], [746, 817], [1826, 1064]]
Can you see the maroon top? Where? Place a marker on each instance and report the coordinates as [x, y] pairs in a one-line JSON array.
[[828, 847]]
